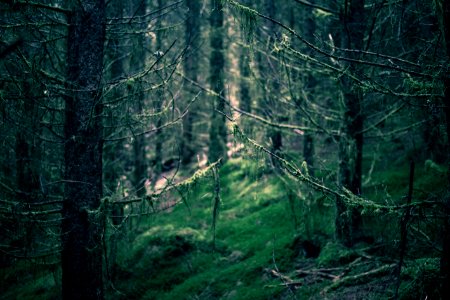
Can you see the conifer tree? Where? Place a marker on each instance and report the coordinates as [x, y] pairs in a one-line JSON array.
[[136, 89], [191, 67], [351, 139], [218, 130], [82, 229]]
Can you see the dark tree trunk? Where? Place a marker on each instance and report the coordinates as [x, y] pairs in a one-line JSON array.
[[140, 172], [218, 131], [159, 102], [191, 68], [245, 92], [245, 102], [351, 141], [82, 228], [445, 259], [308, 141], [274, 86], [112, 150], [137, 64]]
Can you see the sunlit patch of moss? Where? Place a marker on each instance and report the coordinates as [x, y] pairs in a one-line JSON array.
[[252, 233]]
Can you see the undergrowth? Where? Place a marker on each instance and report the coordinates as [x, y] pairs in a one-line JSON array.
[[263, 239], [272, 241]]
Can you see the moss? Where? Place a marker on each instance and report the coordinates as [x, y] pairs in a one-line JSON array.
[[174, 258], [334, 254], [422, 279], [260, 228]]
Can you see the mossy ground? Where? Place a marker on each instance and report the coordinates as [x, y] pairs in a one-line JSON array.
[[272, 241], [262, 230]]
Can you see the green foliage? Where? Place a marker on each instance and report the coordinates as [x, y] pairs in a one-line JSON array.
[[31, 280], [422, 277]]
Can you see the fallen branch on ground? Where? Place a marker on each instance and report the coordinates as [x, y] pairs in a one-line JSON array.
[[353, 278]]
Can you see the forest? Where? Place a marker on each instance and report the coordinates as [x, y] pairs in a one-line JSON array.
[[225, 149]]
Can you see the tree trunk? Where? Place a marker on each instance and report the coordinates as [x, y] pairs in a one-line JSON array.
[[82, 228], [308, 141], [274, 86], [191, 68], [445, 258], [218, 130], [111, 151], [351, 140], [137, 64], [159, 102]]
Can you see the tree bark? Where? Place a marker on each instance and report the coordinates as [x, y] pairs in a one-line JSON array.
[[137, 64], [191, 68], [218, 130], [308, 141], [82, 229], [112, 151], [159, 102], [445, 258], [351, 140], [274, 86]]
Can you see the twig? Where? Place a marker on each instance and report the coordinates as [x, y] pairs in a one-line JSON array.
[[403, 229], [352, 278], [317, 273]]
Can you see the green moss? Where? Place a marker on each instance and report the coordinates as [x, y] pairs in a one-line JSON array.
[[334, 254], [422, 278], [174, 258], [263, 224]]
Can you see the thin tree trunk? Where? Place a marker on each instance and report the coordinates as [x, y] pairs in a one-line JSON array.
[[82, 229], [274, 87], [191, 68], [159, 102], [245, 102], [137, 64], [348, 220], [308, 141], [218, 131], [404, 230], [111, 151]]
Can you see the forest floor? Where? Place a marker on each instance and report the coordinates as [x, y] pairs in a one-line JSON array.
[[268, 243]]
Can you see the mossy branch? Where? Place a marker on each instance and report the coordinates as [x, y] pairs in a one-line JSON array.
[[387, 66], [346, 195], [182, 186], [248, 18]]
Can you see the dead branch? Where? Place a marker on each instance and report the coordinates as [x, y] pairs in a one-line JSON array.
[[354, 278]]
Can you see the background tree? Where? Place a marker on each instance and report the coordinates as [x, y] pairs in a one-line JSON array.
[[31, 126], [138, 62], [351, 141], [191, 69], [218, 130]]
